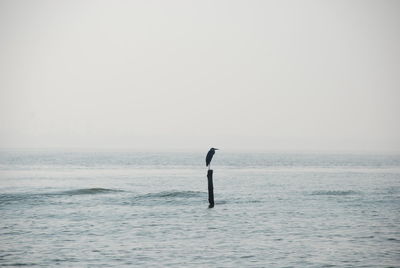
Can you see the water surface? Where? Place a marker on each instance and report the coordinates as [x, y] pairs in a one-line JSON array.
[[121, 209]]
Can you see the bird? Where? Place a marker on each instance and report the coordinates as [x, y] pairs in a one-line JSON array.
[[209, 156]]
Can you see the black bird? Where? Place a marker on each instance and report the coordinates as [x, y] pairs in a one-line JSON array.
[[209, 156]]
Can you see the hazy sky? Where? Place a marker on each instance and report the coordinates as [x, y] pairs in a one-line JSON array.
[[177, 75]]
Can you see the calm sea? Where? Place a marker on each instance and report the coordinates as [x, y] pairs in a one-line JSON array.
[[121, 209]]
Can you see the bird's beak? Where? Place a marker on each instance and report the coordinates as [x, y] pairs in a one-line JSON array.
[[216, 149]]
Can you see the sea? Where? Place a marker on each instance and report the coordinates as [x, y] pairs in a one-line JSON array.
[[149, 209]]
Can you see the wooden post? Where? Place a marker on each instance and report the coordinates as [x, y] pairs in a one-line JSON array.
[[210, 188]]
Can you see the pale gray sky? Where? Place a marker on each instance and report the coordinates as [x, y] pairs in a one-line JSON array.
[[266, 75]]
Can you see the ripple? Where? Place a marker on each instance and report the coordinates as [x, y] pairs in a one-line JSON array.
[[247, 256], [349, 192]]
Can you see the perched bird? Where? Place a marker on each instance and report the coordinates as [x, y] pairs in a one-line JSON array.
[[209, 156]]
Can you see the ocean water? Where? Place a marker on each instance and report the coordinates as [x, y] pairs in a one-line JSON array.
[[122, 209]]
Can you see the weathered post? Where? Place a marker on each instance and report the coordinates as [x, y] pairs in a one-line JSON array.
[[210, 188]]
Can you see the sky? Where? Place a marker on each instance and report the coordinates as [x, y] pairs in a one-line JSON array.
[[189, 75]]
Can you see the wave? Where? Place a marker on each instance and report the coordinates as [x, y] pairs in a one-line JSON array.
[[168, 198], [87, 191], [40, 197], [183, 197], [348, 192], [172, 194], [130, 198]]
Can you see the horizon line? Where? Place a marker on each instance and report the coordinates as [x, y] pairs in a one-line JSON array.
[[198, 150]]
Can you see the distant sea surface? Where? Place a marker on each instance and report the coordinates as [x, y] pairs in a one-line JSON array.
[[121, 209]]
